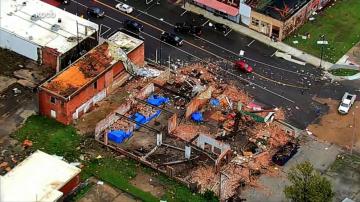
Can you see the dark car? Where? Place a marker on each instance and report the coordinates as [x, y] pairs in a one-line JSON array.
[[285, 153], [221, 28], [186, 28], [133, 25], [95, 12], [171, 39]]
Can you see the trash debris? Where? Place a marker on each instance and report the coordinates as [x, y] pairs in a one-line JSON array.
[[27, 143], [197, 117], [147, 72], [99, 157], [295, 42], [100, 183], [77, 164]]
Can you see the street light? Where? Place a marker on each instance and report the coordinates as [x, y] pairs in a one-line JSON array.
[[322, 43]]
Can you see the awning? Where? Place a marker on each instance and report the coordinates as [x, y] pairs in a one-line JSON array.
[[217, 5]]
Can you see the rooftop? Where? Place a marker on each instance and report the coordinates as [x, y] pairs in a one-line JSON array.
[[278, 9], [37, 22], [37, 178], [86, 68]]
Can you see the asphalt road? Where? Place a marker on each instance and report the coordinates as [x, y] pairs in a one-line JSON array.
[[276, 82]]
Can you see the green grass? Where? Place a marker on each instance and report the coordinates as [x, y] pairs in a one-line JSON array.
[[345, 161], [50, 136], [344, 72], [55, 138], [341, 26], [118, 173]]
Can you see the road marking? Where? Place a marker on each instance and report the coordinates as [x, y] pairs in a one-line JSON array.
[[107, 29], [183, 13], [273, 54], [205, 23], [250, 43], [228, 72], [150, 25], [156, 28], [228, 32]]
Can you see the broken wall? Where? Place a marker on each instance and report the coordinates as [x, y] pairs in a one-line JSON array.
[[112, 118], [198, 101], [172, 123], [146, 91]]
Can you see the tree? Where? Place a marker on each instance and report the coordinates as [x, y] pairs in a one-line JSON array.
[[308, 185]]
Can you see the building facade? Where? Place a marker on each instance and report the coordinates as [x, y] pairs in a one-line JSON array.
[[44, 33], [273, 18], [72, 92]]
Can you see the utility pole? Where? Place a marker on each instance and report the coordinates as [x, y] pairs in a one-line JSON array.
[[322, 48], [353, 134]]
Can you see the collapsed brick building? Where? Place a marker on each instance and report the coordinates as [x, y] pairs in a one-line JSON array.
[[72, 92], [273, 18], [224, 151]]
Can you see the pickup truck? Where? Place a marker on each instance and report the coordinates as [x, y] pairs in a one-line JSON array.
[[346, 102]]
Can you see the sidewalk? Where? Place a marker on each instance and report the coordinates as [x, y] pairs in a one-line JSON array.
[[259, 37]]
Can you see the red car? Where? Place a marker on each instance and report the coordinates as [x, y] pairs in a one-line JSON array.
[[243, 66]]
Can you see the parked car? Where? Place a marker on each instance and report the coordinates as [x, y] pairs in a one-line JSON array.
[[221, 27], [124, 8], [95, 12], [285, 153], [346, 102], [243, 66], [186, 28], [171, 39], [133, 25]]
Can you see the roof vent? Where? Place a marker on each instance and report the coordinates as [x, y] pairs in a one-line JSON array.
[[31, 38], [24, 3], [59, 20], [55, 27], [35, 17]]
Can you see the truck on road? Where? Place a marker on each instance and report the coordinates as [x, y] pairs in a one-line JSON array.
[[346, 102]]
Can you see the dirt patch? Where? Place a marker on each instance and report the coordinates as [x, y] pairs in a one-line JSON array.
[[336, 128], [148, 183]]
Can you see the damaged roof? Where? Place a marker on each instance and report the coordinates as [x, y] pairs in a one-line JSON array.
[[278, 9], [92, 64]]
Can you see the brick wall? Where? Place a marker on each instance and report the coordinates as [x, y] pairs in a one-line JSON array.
[[49, 57], [65, 109], [137, 56]]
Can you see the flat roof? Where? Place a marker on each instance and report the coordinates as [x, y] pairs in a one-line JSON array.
[[125, 41], [15, 17], [37, 178], [88, 67]]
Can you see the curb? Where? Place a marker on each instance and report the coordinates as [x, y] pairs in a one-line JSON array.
[[260, 37]]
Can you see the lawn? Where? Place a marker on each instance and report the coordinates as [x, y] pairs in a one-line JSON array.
[[55, 138], [50, 136], [339, 23], [344, 72]]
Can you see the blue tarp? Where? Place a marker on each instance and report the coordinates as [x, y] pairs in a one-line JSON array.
[[118, 136], [139, 118], [214, 102], [157, 100], [197, 117]]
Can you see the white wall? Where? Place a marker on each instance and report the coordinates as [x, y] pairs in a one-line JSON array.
[[18, 45]]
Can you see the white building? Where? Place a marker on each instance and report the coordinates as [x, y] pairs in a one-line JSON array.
[[45, 33], [40, 177]]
